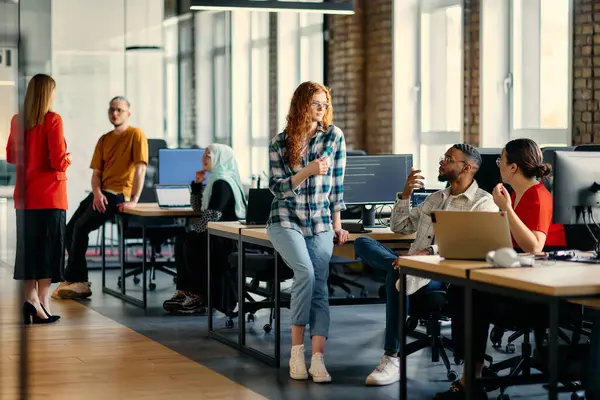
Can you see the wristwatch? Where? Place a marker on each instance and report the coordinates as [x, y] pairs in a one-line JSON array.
[[133, 197]]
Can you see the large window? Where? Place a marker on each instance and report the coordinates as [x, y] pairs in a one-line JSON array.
[[171, 81], [525, 69], [299, 56], [441, 78], [259, 93]]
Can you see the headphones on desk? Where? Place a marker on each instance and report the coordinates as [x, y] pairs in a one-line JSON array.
[[505, 258]]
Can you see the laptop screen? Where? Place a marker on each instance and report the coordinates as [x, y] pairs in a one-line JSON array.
[[173, 195]]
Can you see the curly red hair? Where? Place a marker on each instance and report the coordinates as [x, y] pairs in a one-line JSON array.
[[299, 119]]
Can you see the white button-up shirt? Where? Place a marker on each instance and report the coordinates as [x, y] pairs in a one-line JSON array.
[[406, 220]]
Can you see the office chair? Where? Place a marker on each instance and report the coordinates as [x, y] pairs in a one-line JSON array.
[[259, 267], [336, 279], [488, 174], [156, 237]]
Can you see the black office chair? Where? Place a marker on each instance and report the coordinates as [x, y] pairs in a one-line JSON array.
[[488, 174], [156, 237], [8, 173], [259, 267], [336, 279]]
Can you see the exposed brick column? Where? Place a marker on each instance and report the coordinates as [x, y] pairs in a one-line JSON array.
[[471, 28], [586, 67]]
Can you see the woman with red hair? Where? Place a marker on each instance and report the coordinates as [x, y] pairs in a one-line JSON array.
[[307, 162]]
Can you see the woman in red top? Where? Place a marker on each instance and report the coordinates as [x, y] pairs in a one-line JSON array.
[[530, 207], [37, 146]]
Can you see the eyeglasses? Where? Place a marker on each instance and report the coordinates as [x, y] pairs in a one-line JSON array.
[[498, 161], [118, 110], [318, 104], [449, 160]]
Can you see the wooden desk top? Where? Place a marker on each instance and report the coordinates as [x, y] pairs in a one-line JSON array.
[[381, 234], [153, 210], [560, 279], [230, 227], [436, 264]]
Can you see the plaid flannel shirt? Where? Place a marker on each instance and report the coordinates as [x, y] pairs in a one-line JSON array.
[[308, 208]]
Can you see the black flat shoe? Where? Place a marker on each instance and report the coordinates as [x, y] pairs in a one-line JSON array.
[[30, 315]]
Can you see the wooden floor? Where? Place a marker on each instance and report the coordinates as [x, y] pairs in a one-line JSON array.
[[88, 356]]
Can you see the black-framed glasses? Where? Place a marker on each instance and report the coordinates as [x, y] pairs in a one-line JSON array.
[[318, 104], [119, 110], [498, 161]]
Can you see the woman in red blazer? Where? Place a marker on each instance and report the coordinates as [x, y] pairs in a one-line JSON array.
[[37, 146]]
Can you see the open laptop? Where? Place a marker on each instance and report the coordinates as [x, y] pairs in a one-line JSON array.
[[173, 196], [259, 207], [470, 235]]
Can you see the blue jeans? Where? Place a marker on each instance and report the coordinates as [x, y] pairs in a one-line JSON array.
[[309, 258], [381, 257]]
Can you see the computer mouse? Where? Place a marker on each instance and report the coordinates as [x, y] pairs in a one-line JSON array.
[[505, 257]]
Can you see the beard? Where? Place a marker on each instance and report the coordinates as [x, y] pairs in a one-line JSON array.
[[448, 176]]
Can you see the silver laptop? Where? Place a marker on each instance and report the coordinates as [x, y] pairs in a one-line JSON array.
[[470, 235], [173, 196]]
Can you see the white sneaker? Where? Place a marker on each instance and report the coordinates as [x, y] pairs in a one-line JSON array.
[[386, 373], [317, 369], [298, 363]]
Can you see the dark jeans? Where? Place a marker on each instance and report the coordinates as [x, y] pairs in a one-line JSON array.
[[84, 221], [593, 383], [381, 257], [191, 261]]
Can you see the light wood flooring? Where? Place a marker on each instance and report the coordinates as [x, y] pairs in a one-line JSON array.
[[88, 356]]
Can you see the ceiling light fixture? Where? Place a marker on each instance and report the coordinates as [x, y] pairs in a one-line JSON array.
[[342, 8]]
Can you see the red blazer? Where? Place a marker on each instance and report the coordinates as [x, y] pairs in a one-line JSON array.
[[44, 179]]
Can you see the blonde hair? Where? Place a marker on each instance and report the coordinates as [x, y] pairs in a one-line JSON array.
[[38, 99]]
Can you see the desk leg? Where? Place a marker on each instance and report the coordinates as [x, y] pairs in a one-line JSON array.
[[208, 291], [241, 292], [402, 335], [122, 252], [144, 249], [553, 350], [103, 257], [277, 310], [469, 369]]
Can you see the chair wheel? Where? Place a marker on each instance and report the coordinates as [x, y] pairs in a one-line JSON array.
[[136, 280], [496, 337], [510, 348], [452, 376], [349, 296], [364, 294], [229, 324], [503, 397], [250, 317], [151, 286], [458, 361], [267, 328]]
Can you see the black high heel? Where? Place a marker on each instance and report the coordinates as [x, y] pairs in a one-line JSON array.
[[30, 315], [48, 314]]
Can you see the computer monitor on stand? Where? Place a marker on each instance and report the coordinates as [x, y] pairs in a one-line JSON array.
[[375, 180], [576, 192]]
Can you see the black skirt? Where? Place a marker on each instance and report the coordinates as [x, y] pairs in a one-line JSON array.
[[40, 245]]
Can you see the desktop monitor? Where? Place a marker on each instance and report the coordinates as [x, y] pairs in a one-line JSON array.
[[576, 190], [375, 180], [179, 166], [488, 174]]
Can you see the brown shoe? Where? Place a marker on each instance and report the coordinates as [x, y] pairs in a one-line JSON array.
[[56, 293], [75, 290]]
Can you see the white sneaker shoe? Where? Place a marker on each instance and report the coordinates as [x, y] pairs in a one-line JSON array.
[[298, 363], [386, 373], [317, 369]]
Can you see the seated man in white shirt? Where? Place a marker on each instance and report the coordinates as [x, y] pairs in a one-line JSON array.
[[457, 167]]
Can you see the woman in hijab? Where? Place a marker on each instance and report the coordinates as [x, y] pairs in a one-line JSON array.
[[221, 199]]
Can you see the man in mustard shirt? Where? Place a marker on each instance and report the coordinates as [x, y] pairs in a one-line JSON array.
[[119, 163]]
